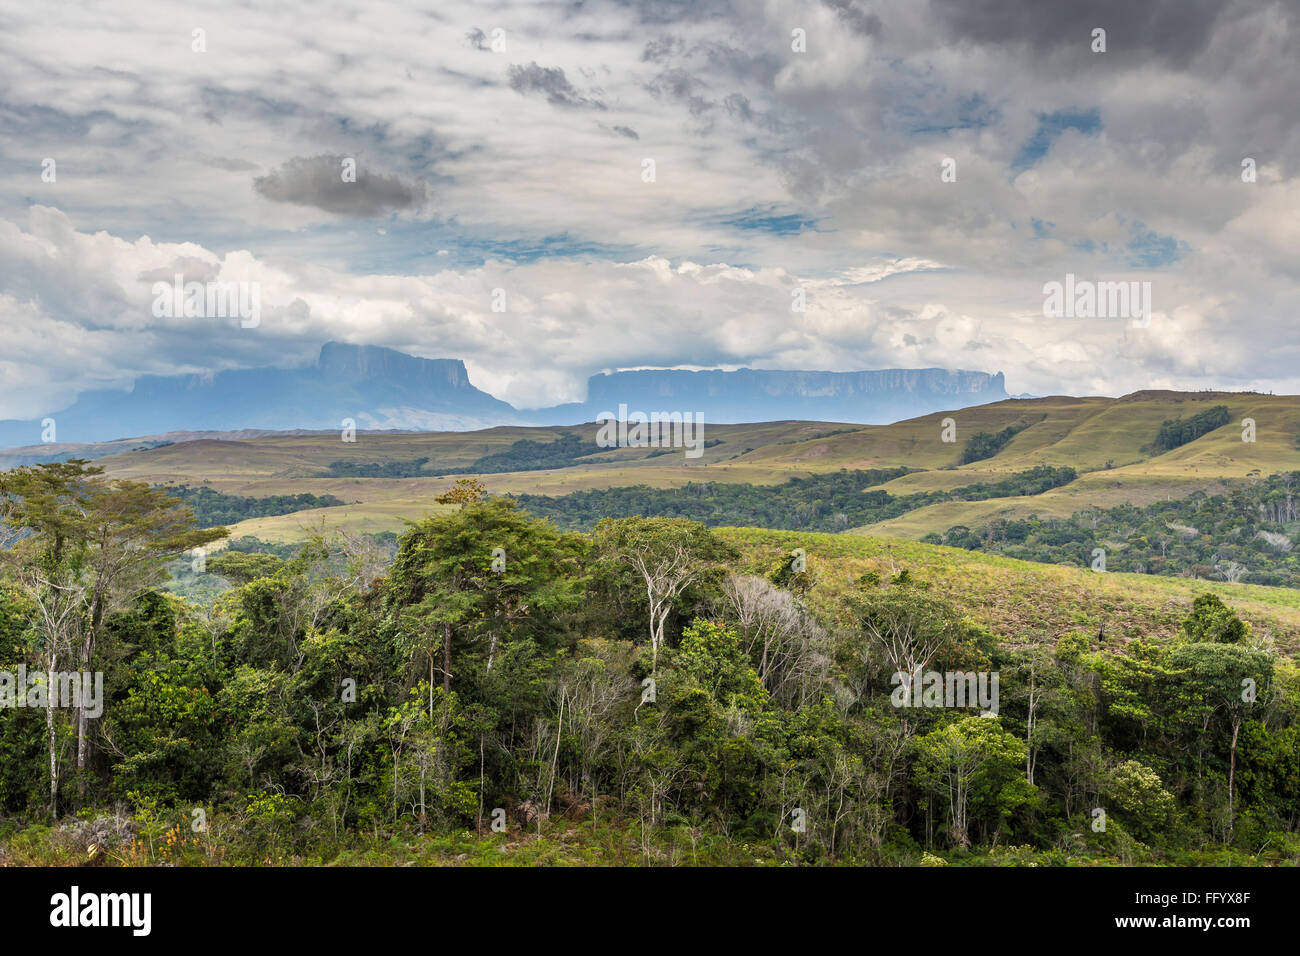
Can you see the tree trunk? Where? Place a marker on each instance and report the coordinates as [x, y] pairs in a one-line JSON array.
[[1029, 733], [654, 634], [87, 648], [1232, 771], [53, 741], [559, 730], [87, 651], [446, 658]]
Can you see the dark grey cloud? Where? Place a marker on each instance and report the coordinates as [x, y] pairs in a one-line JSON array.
[[680, 11], [856, 16], [318, 181], [740, 108], [230, 164], [626, 132], [550, 81], [677, 84], [656, 51], [1175, 30], [737, 105], [743, 64], [803, 179]]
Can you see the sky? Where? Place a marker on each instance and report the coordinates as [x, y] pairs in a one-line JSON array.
[[550, 190]]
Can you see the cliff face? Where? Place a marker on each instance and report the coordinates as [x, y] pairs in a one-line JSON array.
[[383, 388], [751, 395], [356, 363], [800, 385], [375, 387]]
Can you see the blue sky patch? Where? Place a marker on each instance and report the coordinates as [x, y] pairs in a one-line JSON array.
[[1050, 127], [766, 220], [1149, 249]]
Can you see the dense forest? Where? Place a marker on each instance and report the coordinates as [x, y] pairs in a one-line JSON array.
[[984, 445], [523, 455], [212, 508], [410, 468], [648, 691], [1176, 432], [833, 502], [1249, 534]]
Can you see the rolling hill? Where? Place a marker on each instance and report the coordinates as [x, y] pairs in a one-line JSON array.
[[1023, 602], [1108, 442]]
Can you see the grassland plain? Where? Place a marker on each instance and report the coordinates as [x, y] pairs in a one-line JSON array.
[[1107, 440], [1023, 602]]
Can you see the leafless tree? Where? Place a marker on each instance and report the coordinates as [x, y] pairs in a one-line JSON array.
[[790, 650], [667, 554]]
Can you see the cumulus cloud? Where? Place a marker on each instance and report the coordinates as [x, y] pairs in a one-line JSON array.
[[774, 169], [566, 319]]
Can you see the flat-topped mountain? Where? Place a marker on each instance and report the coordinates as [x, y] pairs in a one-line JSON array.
[[752, 395], [375, 387], [381, 388]]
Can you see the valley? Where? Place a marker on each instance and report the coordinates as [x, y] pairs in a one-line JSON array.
[[1107, 441]]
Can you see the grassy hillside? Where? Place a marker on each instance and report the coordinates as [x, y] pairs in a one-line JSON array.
[[1108, 441], [1020, 601]]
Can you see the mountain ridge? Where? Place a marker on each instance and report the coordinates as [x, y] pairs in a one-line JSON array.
[[866, 397], [379, 388]]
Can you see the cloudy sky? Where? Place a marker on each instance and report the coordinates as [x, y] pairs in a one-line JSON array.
[[793, 145]]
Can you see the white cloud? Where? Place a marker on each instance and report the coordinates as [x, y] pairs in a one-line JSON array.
[[773, 169]]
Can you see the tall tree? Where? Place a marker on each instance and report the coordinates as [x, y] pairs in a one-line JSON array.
[[43, 510], [668, 555], [130, 530], [479, 574], [87, 546], [1223, 682]]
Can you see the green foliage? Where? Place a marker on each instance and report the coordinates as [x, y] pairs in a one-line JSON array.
[[413, 468], [1212, 620], [480, 575], [1175, 432], [983, 445], [646, 693], [528, 455], [1137, 792], [1245, 535], [711, 655], [523, 455], [974, 770], [833, 502], [242, 567], [212, 508]]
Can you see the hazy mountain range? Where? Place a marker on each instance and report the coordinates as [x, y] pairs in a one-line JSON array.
[[380, 388]]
